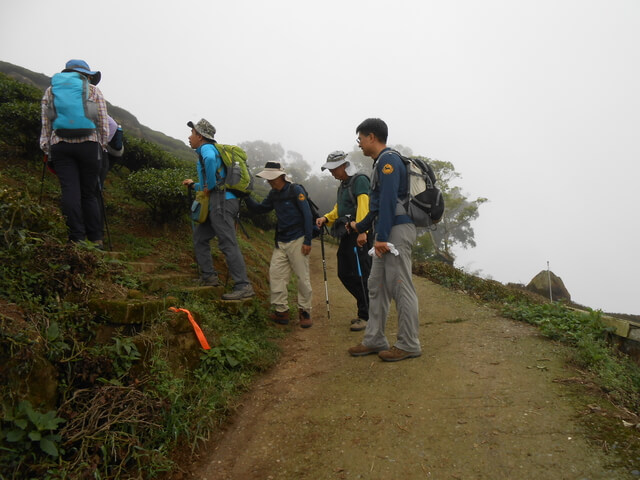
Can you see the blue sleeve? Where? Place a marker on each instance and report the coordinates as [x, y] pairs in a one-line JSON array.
[[264, 207], [303, 204], [389, 172], [211, 159]]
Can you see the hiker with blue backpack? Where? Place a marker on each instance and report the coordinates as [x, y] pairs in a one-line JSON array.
[[74, 132], [221, 207], [352, 203], [395, 234]]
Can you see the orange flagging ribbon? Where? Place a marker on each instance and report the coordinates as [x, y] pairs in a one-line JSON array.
[[196, 328]]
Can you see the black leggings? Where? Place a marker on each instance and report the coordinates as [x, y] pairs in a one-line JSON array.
[[78, 167], [348, 271]]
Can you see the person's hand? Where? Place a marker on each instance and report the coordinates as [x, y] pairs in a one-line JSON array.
[[381, 248], [351, 226], [362, 239], [188, 182], [320, 221], [306, 249]]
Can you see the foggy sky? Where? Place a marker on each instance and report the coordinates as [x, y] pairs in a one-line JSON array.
[[536, 103]]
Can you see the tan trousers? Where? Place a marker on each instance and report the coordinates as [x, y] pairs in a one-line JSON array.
[[283, 260]]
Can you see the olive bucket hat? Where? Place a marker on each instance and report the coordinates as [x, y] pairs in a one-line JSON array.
[[204, 128]]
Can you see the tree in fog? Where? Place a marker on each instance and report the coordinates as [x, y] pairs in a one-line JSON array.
[[455, 227], [297, 167]]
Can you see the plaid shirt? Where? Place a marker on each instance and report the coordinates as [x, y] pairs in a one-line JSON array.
[[48, 137]]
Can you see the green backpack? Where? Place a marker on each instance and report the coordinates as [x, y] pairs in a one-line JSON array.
[[238, 179]]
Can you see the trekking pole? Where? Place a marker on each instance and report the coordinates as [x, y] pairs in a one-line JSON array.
[[44, 169], [193, 224], [324, 269], [190, 200], [242, 226], [104, 216], [366, 300]]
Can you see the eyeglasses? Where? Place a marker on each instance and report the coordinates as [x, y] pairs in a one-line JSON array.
[[359, 140]]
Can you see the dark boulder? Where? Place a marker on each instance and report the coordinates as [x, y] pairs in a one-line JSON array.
[[540, 285]]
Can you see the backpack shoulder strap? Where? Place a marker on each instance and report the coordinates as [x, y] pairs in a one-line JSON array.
[[351, 184]]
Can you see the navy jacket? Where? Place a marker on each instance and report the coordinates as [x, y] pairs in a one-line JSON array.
[[292, 210], [388, 185]]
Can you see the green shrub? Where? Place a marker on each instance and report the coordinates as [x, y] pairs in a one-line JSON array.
[[264, 221], [20, 116], [21, 217], [140, 154], [29, 434], [162, 191]]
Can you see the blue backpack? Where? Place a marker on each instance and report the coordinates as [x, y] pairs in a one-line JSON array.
[[72, 114]]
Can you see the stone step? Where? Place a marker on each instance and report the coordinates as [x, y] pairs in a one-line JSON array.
[[209, 293], [163, 282], [145, 267], [214, 295], [131, 311], [114, 255]]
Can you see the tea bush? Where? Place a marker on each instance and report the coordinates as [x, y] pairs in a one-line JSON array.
[[20, 116], [162, 191], [140, 154]]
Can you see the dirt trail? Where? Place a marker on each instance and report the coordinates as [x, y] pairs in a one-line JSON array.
[[481, 402]]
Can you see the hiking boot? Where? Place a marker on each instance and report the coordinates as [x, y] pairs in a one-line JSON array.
[[358, 325], [281, 318], [240, 293], [210, 281], [305, 318], [395, 354], [361, 350]]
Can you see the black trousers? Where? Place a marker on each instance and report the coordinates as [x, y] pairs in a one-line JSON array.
[[78, 167], [348, 274]]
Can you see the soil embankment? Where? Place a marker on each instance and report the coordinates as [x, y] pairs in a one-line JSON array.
[[481, 403]]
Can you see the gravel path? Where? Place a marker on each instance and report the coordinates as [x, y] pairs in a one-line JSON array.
[[481, 403]]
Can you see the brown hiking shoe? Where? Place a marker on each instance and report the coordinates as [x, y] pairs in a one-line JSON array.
[[360, 350], [394, 354], [305, 318], [358, 325], [281, 318]]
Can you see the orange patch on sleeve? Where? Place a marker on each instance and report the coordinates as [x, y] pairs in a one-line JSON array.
[[387, 169], [301, 197]]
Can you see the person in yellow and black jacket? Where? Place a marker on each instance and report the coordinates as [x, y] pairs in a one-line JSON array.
[[352, 203]]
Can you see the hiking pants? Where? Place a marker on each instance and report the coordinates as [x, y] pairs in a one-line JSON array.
[[348, 271], [78, 166], [390, 278], [221, 224], [287, 257]]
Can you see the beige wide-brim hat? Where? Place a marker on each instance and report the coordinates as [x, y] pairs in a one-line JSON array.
[[273, 170]]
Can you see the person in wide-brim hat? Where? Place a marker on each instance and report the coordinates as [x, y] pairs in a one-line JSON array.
[[273, 170], [294, 231], [82, 67]]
